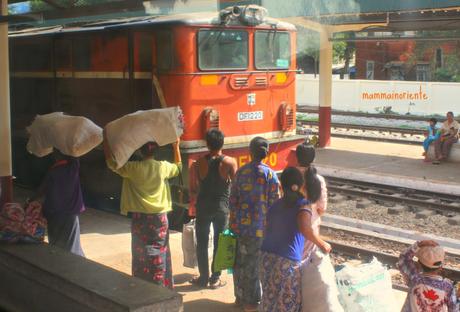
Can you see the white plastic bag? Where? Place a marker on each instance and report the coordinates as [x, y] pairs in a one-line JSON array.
[[366, 288], [71, 135], [128, 133], [189, 244], [319, 288]]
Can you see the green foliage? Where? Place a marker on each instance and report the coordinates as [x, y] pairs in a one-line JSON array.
[[339, 48]]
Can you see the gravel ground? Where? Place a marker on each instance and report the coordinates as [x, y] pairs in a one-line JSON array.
[[435, 224]]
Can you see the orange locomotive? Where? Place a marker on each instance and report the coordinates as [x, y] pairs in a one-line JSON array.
[[234, 70]]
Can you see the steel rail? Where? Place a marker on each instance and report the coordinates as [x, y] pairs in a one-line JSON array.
[[366, 127], [433, 201], [312, 110]]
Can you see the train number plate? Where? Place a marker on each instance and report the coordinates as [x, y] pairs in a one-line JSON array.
[[247, 116]]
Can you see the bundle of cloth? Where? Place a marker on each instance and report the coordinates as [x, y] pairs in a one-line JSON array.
[[128, 133], [71, 135], [22, 225]]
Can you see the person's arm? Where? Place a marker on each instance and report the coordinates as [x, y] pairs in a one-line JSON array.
[[228, 168], [321, 205], [305, 227], [452, 301], [273, 188], [406, 264], [126, 170], [234, 203], [176, 152]]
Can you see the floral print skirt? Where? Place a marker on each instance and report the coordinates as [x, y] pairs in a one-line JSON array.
[[151, 256], [281, 284]]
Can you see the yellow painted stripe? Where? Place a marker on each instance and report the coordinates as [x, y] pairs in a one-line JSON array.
[[32, 74]]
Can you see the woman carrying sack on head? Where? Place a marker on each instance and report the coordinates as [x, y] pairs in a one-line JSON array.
[[146, 195]]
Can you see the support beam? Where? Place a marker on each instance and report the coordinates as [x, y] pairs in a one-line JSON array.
[[6, 190], [325, 88]]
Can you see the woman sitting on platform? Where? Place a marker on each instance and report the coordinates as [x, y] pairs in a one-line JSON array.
[[449, 136]]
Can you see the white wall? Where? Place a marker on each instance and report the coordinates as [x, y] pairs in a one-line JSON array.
[[365, 95]]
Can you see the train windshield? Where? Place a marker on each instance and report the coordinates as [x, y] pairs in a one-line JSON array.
[[222, 49], [272, 50]]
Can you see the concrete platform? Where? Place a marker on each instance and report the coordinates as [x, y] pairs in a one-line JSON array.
[[387, 163], [106, 239]]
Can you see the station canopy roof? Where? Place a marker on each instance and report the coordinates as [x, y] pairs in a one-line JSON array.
[[388, 15]]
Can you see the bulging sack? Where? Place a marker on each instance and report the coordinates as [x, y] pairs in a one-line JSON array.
[[365, 288], [319, 288], [71, 135], [128, 133]]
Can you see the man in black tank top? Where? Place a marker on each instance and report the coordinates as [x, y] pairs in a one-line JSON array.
[[214, 174]]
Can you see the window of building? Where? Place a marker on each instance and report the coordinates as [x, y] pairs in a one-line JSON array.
[[439, 58], [370, 70], [222, 49], [396, 73], [423, 72], [272, 50]]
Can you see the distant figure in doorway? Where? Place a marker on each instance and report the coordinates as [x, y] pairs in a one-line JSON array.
[[214, 173], [433, 133], [449, 136]]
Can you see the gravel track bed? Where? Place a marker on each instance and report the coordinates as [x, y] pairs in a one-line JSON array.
[[434, 224], [377, 244]]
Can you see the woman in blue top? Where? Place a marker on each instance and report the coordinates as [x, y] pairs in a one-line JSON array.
[[288, 224]]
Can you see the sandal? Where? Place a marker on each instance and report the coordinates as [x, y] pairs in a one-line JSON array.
[[217, 283], [436, 162], [197, 281]]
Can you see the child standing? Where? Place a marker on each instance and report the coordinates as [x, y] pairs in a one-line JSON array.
[[428, 290]]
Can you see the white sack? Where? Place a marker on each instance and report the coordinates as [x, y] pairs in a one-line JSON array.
[[71, 135], [319, 288], [189, 244], [366, 288], [128, 133]]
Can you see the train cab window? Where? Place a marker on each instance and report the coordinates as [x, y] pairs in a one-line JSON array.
[[144, 52], [63, 54], [165, 50], [33, 55], [81, 54], [272, 50], [222, 49]]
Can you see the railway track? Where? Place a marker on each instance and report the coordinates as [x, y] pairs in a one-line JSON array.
[[372, 133], [314, 110], [363, 128], [444, 204]]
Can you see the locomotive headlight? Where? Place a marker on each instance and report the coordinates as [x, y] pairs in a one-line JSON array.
[[253, 15]]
